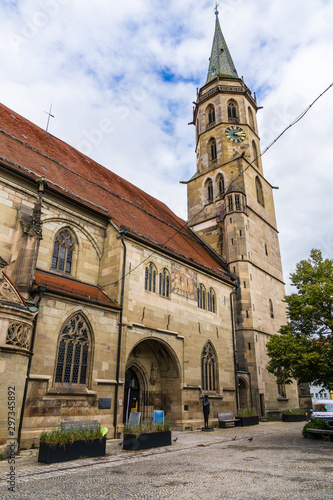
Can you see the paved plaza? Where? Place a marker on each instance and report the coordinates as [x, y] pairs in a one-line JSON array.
[[278, 463]]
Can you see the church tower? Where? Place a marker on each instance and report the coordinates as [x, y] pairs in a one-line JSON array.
[[231, 207]]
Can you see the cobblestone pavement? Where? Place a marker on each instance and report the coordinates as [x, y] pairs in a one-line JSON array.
[[278, 463]]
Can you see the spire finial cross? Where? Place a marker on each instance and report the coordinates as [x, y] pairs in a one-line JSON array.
[[216, 8]]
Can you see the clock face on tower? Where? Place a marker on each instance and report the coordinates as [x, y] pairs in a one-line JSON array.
[[235, 133]]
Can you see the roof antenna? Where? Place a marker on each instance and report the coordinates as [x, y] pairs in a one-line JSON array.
[[49, 116]]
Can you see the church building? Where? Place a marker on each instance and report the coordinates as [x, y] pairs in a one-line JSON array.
[[110, 303]]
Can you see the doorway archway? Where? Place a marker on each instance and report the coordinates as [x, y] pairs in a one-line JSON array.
[[152, 380]]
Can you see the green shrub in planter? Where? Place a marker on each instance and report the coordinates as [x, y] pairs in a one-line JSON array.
[[247, 412], [295, 411], [60, 437], [147, 427], [315, 424]]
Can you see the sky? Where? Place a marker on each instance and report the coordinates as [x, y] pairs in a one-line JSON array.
[[122, 78]]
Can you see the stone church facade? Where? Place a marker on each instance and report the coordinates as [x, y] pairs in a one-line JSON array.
[[111, 303]]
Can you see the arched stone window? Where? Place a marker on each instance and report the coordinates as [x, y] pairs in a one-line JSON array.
[[150, 277], [74, 351], [210, 113], [201, 296], [63, 251], [251, 119], [232, 112], [259, 191], [208, 368], [164, 284], [211, 300], [212, 149], [255, 155], [221, 185], [209, 190], [271, 309]]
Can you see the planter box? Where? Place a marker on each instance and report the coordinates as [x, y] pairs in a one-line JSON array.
[[146, 440], [79, 449], [294, 418], [245, 421]]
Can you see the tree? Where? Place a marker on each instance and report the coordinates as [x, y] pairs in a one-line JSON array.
[[303, 349]]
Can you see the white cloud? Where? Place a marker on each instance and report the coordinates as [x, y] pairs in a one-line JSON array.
[[102, 63]]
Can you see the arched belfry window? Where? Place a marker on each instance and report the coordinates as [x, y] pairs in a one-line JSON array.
[[74, 351], [209, 190], [150, 277], [232, 112], [259, 191], [255, 155], [164, 283], [63, 251], [251, 119], [221, 185], [201, 295], [208, 368], [211, 300], [210, 114], [212, 150]]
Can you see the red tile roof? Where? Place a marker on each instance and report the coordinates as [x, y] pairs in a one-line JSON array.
[[30, 150], [73, 288]]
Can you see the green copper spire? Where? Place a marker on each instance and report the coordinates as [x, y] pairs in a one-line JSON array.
[[220, 63]]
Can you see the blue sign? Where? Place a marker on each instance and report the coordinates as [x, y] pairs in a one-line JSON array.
[[158, 417]]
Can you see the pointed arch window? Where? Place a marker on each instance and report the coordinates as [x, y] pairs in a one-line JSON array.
[[201, 292], [212, 150], [164, 283], [150, 278], [232, 112], [211, 301], [209, 190], [63, 251], [221, 185], [255, 155], [208, 368], [74, 351], [259, 191], [271, 309], [211, 114], [251, 119]]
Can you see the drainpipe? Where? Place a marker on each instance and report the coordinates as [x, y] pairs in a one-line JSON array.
[[234, 342], [122, 232], [25, 392]]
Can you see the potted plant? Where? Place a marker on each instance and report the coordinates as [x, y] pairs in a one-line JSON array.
[[61, 445], [294, 415], [146, 435], [248, 416]]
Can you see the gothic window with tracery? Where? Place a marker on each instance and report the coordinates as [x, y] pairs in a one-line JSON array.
[[259, 191], [201, 292], [255, 154], [221, 185], [63, 251], [209, 187], [232, 111], [208, 368], [164, 285], [211, 114], [211, 300], [73, 351], [212, 148], [150, 278]]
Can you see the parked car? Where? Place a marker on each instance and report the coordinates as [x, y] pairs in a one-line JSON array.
[[323, 410]]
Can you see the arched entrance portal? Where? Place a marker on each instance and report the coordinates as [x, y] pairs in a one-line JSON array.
[[152, 381]]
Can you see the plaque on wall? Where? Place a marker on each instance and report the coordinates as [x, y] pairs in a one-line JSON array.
[[104, 403]]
